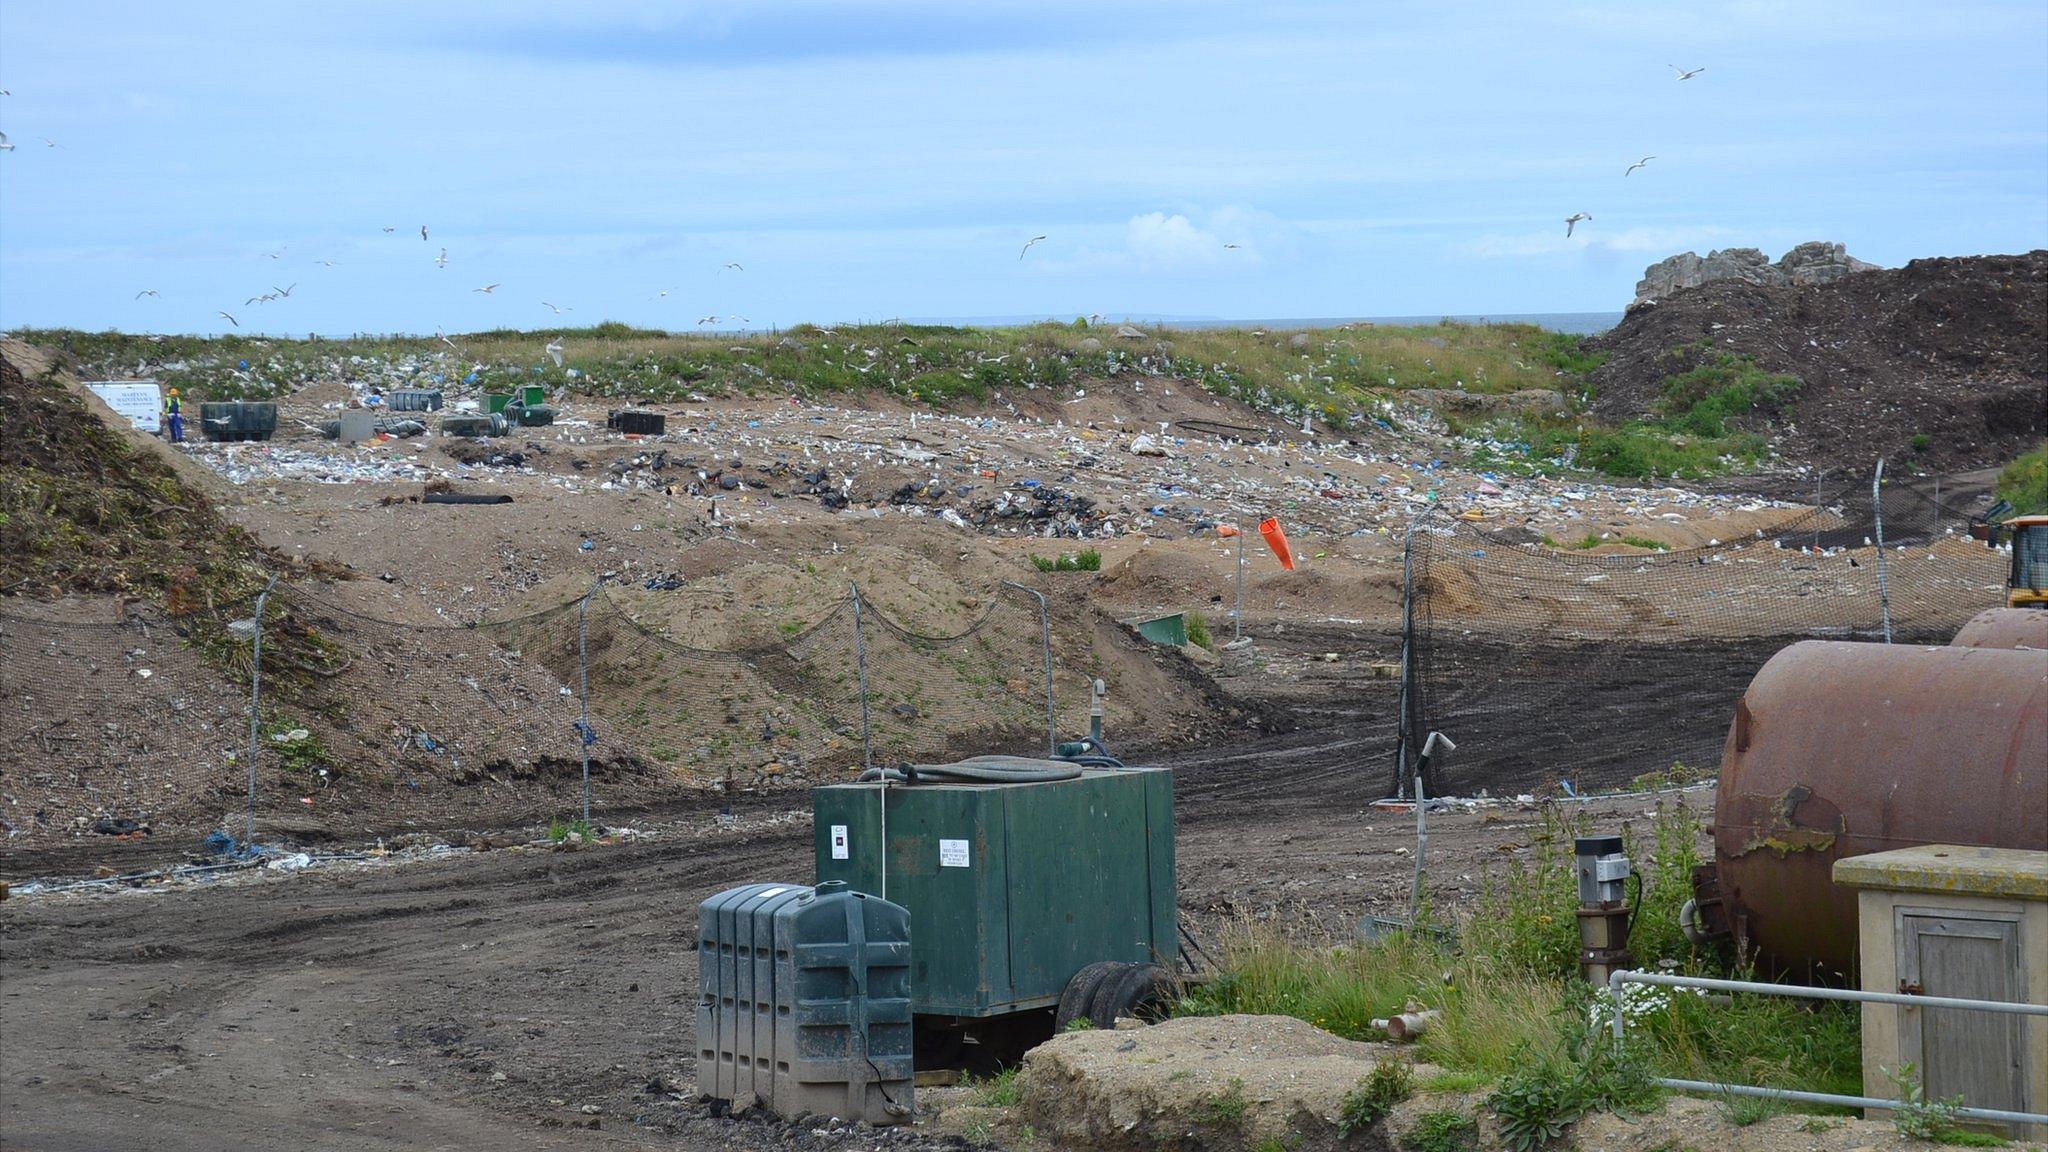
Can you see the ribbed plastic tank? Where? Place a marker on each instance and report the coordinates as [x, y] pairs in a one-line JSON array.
[[1843, 749], [414, 400], [234, 420], [804, 1002], [2005, 628], [637, 423]]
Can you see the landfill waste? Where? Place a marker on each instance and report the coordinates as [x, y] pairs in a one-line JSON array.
[[390, 427]]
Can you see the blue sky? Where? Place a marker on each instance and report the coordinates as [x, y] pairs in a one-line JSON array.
[[869, 160]]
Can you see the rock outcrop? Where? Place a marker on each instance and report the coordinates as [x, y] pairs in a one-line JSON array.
[[1814, 262]]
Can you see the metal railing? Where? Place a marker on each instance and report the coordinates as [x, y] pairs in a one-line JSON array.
[[1704, 983]]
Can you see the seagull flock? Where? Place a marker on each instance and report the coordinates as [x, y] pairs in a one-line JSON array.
[[1572, 221], [554, 348]]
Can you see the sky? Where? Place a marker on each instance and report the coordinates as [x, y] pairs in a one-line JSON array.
[[864, 161]]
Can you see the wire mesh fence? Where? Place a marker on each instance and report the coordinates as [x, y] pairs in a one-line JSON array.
[[110, 725], [1588, 670]]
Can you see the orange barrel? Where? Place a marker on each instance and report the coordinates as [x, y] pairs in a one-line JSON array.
[[1843, 749]]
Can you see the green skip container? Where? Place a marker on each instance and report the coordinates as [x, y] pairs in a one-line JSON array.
[[1013, 888]]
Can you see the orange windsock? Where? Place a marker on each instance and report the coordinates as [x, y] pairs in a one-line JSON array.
[[1226, 531], [1277, 541]]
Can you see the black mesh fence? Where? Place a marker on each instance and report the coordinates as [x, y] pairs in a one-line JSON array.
[[1551, 666], [107, 726]]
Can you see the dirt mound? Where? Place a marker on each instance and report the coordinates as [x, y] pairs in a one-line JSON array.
[[87, 507], [1943, 362]]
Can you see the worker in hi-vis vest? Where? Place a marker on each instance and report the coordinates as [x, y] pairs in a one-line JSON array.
[[174, 410]]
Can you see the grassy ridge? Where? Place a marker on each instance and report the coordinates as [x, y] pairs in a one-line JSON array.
[[1349, 377], [1338, 372]]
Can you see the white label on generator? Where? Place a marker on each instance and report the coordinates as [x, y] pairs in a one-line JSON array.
[[952, 853], [839, 841]]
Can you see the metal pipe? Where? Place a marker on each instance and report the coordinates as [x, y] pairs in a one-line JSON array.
[[255, 707], [1630, 976], [1843, 1101], [1404, 730], [1052, 732]]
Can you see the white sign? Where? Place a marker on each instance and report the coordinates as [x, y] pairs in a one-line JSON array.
[[952, 853], [839, 841], [138, 400]]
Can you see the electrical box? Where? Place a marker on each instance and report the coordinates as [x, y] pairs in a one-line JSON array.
[[1953, 920], [1012, 887]]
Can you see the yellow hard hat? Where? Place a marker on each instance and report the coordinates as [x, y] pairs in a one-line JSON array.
[[174, 391]]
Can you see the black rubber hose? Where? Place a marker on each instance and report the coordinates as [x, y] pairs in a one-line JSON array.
[[987, 769]]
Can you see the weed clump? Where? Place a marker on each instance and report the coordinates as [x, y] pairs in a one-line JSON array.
[[1389, 1083]]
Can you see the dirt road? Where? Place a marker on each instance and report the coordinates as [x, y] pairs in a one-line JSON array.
[[536, 998]]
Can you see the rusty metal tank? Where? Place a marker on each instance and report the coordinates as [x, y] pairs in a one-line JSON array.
[[1842, 749], [2005, 628]]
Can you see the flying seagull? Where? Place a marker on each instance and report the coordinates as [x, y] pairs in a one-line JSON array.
[[47, 141], [390, 228], [735, 267], [423, 233], [1572, 221], [1684, 75], [1233, 245], [554, 351], [145, 292], [707, 320], [441, 261], [325, 263], [229, 319], [1028, 244], [552, 308], [1639, 164], [284, 292], [279, 254], [736, 320], [4, 145], [486, 289]]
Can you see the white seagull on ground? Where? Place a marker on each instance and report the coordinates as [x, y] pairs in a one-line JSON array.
[[1572, 221]]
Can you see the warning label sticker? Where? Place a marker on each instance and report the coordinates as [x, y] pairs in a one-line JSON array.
[[952, 853], [839, 841]]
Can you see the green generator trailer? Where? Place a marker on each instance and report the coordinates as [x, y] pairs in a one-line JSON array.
[[1040, 891]]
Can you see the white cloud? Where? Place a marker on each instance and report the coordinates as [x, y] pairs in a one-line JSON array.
[[1587, 238], [1157, 240]]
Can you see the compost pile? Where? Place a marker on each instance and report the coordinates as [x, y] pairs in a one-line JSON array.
[[1943, 362]]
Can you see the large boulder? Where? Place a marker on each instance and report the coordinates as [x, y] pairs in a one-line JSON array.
[[1814, 262]]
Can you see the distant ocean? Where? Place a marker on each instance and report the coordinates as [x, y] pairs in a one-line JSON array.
[[1577, 323]]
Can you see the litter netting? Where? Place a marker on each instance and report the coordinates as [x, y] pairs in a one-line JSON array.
[[119, 723], [1550, 666]]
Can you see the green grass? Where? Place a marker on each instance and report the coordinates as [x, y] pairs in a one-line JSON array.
[[1708, 399], [1227, 1108], [1086, 560], [1512, 1001], [1198, 630], [1389, 1083], [2024, 483], [1442, 1130], [997, 1091], [560, 830], [1646, 542]]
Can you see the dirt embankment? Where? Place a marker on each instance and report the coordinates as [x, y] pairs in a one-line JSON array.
[[1943, 362]]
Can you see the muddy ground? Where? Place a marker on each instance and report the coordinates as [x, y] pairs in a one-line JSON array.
[[488, 999]]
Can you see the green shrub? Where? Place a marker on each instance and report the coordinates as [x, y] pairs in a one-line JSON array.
[[1917, 1116], [1198, 630], [997, 1091], [1922, 442], [2024, 483], [1703, 400], [1444, 1130], [559, 830], [1389, 1083], [1536, 1105], [1085, 561]]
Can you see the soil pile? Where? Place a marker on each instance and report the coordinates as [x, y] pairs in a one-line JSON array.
[[1943, 362], [85, 508]]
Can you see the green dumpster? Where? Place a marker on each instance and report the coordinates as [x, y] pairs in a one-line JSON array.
[[496, 401], [1171, 630], [535, 395]]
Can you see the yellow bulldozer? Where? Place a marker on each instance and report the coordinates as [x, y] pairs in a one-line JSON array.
[[2027, 585]]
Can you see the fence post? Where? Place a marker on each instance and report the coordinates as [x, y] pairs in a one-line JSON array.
[[1237, 621], [867, 743], [1884, 600], [1818, 477], [1052, 731], [255, 708], [584, 734], [1404, 728]]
